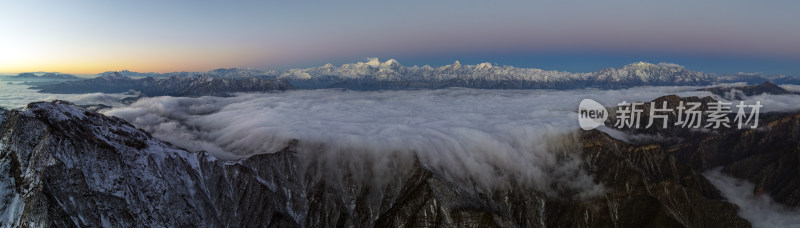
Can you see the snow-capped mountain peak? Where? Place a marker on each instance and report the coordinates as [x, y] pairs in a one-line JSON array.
[[373, 62], [483, 66], [486, 75]]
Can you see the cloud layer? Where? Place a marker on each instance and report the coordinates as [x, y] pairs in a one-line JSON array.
[[19, 95], [488, 138], [760, 210]]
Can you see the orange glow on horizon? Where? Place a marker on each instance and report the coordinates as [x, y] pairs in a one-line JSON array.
[[95, 67], [19, 55], [162, 64]]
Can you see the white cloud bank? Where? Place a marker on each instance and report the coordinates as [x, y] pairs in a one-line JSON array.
[[18, 95], [488, 138], [760, 210]]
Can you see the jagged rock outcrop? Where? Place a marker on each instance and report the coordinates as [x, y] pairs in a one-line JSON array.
[[648, 180], [768, 156], [64, 166]]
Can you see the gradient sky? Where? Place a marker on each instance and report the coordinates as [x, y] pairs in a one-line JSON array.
[[87, 37]]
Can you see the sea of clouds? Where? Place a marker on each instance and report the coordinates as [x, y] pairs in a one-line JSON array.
[[487, 138], [19, 95]]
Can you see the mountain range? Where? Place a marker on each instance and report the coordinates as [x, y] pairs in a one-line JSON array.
[[741, 92], [203, 85], [374, 74], [44, 76], [391, 75], [217, 73]]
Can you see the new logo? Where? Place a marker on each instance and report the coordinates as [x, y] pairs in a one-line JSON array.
[[591, 114]]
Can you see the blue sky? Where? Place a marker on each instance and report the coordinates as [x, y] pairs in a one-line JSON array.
[[576, 35]]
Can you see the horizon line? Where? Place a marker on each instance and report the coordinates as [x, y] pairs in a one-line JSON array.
[[368, 59]]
